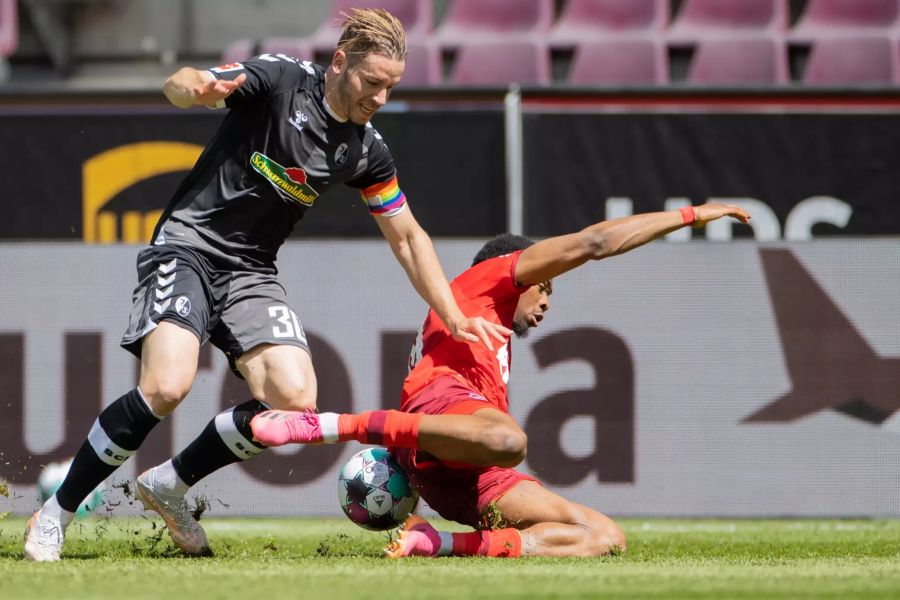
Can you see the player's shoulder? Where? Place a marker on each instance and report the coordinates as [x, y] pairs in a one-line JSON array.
[[489, 271], [499, 264], [291, 70], [303, 73], [371, 136]]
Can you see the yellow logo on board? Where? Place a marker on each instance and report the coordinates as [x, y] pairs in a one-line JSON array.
[[111, 172]]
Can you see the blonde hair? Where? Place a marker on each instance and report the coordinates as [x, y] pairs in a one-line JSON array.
[[372, 31]]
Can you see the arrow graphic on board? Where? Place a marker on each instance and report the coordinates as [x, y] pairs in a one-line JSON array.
[[830, 364]]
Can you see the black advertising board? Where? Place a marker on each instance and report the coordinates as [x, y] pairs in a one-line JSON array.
[[803, 172], [80, 175], [105, 178]]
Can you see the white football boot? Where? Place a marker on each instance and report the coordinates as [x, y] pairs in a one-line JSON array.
[[43, 538], [186, 532]]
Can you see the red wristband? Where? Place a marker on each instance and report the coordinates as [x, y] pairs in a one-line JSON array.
[[687, 214]]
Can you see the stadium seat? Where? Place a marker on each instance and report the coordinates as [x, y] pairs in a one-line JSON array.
[[205, 27], [423, 65], [416, 16], [9, 27], [739, 60], [698, 17], [620, 61], [586, 20], [852, 60], [501, 63], [474, 20], [822, 16]]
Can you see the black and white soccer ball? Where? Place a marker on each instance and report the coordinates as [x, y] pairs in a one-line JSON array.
[[374, 491]]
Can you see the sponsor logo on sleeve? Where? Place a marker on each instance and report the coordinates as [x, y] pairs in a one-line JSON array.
[[226, 68], [290, 181]]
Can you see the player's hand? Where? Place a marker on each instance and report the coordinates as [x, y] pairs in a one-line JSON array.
[[478, 330], [705, 213], [217, 90]]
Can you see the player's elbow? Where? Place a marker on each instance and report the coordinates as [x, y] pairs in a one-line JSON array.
[[176, 88], [596, 245], [408, 245], [507, 446]]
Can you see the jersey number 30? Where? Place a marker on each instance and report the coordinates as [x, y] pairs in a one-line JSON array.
[[290, 326]]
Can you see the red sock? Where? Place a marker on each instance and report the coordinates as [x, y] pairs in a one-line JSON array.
[[500, 543], [381, 427]]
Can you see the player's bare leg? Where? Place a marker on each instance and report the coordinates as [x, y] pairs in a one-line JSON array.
[[280, 376], [540, 523], [169, 356], [550, 525], [488, 437]]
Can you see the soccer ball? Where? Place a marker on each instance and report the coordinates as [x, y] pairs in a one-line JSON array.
[[374, 491], [51, 478]]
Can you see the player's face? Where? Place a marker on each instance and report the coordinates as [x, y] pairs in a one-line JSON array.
[[363, 86], [532, 306]]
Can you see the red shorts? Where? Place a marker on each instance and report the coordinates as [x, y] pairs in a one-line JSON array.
[[456, 491]]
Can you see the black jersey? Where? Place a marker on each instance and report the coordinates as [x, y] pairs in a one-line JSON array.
[[276, 152]]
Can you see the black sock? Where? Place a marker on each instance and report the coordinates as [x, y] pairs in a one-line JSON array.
[[227, 439], [117, 434]]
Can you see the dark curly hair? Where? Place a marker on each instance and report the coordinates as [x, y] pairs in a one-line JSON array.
[[505, 243]]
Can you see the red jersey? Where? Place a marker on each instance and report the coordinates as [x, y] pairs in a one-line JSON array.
[[488, 290]]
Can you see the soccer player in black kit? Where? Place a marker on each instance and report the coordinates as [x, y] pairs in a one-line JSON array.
[[293, 130]]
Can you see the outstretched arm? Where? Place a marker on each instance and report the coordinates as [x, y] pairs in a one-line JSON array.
[[554, 256], [189, 87], [415, 252]]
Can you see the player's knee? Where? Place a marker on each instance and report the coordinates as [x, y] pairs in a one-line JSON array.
[[508, 445], [164, 395], [606, 538]]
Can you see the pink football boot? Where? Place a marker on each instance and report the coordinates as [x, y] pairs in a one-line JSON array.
[[416, 538], [279, 427]]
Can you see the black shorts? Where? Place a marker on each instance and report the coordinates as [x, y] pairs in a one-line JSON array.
[[235, 310]]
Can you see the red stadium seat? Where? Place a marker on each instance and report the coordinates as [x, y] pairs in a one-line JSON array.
[[824, 15], [501, 63], [423, 65], [587, 20], [739, 60], [471, 20], [620, 61], [715, 16], [416, 16], [852, 60], [9, 27]]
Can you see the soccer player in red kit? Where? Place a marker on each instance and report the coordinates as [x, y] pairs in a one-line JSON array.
[[453, 433]]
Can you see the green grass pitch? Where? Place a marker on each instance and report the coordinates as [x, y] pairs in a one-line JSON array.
[[278, 559]]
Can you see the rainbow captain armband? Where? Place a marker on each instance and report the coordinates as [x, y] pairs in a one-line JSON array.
[[384, 199]]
